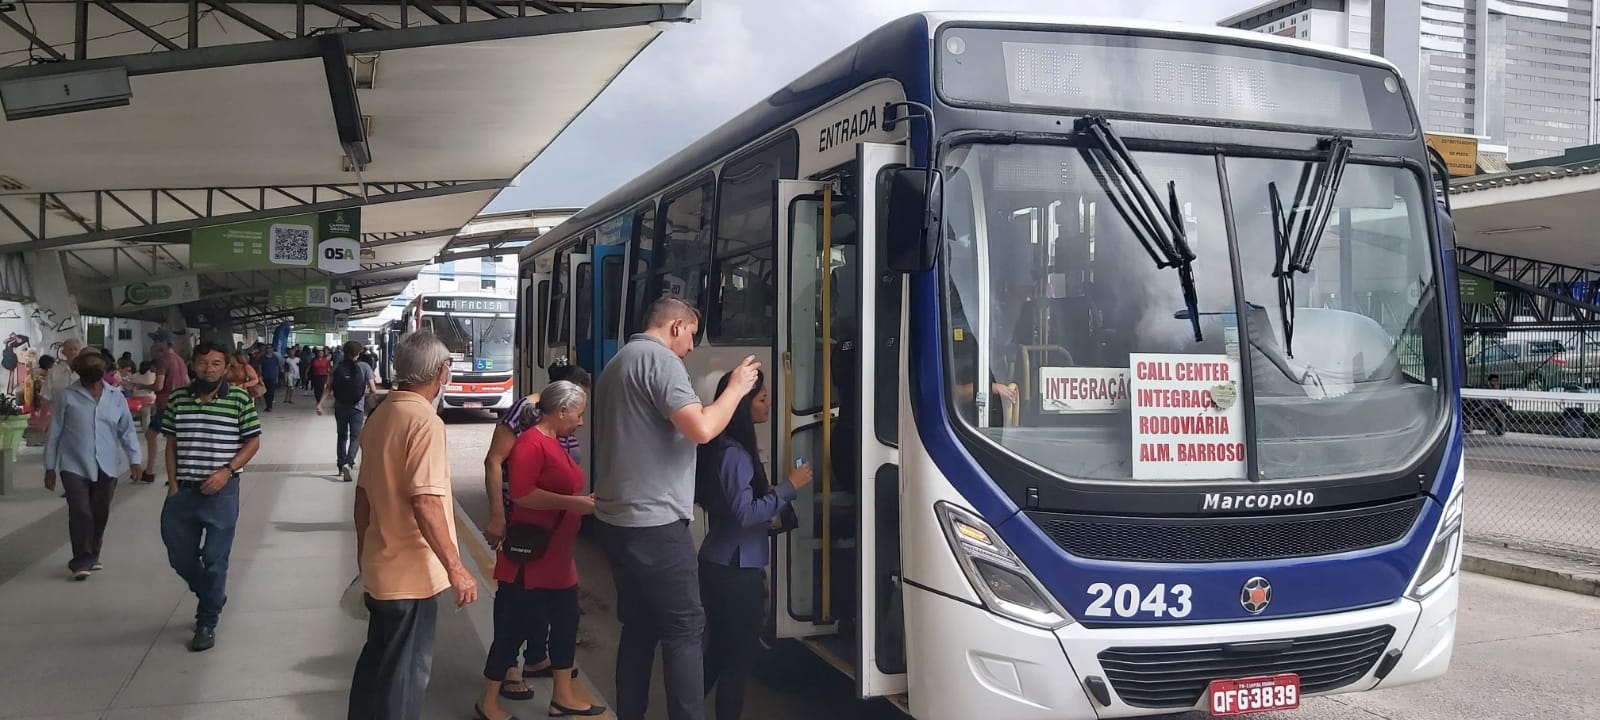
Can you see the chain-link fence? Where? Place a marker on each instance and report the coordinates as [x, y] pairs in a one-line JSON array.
[[1533, 469]]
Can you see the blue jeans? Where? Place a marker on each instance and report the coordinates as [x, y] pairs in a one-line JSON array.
[[350, 420], [198, 532]]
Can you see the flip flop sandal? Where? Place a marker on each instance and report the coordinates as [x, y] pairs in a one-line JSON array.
[[478, 710], [557, 710], [510, 694]]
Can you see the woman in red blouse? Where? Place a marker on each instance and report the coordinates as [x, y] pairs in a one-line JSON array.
[[321, 368], [547, 492]]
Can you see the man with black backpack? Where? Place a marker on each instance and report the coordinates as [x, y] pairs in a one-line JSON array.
[[351, 383]]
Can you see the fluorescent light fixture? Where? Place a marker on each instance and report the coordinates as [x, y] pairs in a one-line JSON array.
[[67, 92], [1505, 231], [364, 67]]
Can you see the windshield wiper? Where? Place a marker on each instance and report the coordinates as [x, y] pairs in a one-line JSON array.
[[1313, 206], [1159, 229]]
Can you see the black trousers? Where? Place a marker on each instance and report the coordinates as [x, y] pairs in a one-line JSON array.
[[733, 600], [657, 574], [391, 677], [517, 611], [88, 510]]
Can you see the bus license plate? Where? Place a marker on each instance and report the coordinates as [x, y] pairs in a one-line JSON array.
[[1248, 696], [472, 404]]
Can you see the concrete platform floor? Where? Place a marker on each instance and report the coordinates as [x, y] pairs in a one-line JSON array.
[[113, 647]]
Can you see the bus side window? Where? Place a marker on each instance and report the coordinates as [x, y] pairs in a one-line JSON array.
[[686, 245], [583, 299], [556, 325], [744, 301], [643, 254], [541, 299], [611, 301]]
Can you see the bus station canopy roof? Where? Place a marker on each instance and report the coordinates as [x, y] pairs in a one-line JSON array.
[[234, 113], [1541, 210]]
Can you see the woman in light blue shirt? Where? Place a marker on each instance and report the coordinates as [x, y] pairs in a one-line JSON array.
[[92, 442]]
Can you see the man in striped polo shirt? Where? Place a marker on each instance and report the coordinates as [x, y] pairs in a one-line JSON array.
[[212, 432]]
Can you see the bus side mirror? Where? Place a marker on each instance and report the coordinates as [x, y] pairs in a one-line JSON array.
[[916, 197]]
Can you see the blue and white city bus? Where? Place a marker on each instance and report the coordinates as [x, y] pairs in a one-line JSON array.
[[1137, 349]]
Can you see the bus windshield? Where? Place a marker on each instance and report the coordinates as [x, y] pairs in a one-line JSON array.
[[1105, 354], [486, 344]]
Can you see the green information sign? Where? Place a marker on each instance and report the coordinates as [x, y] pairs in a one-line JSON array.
[[1476, 290], [320, 240], [301, 296]]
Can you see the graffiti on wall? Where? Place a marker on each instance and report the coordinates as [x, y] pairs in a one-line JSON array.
[[17, 360], [52, 322]]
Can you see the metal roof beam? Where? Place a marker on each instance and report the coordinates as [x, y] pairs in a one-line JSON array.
[[377, 37], [403, 238], [507, 248], [260, 314], [40, 236]]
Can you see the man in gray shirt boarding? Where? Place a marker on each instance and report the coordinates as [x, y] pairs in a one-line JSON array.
[[649, 420]]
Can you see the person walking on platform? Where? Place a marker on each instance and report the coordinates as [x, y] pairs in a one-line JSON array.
[[321, 367], [649, 421], [171, 373], [405, 536], [92, 442], [537, 579], [212, 432], [291, 376], [243, 374], [351, 383], [271, 368]]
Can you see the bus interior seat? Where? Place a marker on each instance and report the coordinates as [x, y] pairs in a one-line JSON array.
[[1337, 342]]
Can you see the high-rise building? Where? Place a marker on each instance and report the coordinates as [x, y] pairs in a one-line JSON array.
[[1516, 73]]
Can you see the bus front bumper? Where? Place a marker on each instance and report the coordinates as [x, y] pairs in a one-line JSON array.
[[969, 662]]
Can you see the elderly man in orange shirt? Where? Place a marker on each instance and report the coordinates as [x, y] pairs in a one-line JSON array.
[[405, 536]]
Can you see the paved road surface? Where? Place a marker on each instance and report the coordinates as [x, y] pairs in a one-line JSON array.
[[1523, 652]]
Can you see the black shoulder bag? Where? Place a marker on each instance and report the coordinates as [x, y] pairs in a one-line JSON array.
[[526, 542]]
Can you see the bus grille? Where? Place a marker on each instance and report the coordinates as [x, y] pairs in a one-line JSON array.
[[1225, 539], [1176, 677]]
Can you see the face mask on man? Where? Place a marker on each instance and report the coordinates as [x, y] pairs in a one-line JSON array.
[[201, 386], [438, 398], [91, 375]]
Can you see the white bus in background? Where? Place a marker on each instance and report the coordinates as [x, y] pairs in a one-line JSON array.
[[480, 331]]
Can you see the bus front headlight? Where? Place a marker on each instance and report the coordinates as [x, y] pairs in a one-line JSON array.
[[1443, 560], [1000, 579]]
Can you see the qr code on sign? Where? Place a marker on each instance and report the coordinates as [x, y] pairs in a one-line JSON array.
[[290, 244], [316, 296]]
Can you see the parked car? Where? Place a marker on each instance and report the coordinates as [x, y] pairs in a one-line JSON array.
[[1524, 365]]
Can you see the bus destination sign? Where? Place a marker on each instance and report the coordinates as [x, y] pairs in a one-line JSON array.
[[445, 303]]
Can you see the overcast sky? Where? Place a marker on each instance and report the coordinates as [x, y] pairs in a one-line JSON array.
[[697, 76]]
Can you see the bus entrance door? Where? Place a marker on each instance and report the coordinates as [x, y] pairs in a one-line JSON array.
[[870, 377], [798, 606]]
